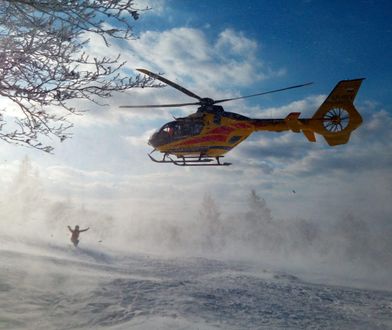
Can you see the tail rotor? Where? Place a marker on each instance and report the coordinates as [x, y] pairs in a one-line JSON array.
[[337, 117], [336, 120]]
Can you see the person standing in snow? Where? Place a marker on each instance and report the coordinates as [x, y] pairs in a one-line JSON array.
[[75, 234]]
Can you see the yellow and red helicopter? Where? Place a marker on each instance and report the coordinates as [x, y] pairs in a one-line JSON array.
[[202, 138]]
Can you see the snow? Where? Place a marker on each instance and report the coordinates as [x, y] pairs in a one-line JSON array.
[[196, 270], [54, 286]]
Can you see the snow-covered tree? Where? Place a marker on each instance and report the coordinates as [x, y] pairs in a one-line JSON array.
[[259, 227], [212, 228], [258, 210]]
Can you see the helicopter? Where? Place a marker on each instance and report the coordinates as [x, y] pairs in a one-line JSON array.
[[204, 137]]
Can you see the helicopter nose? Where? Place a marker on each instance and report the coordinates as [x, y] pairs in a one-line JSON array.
[[153, 140]]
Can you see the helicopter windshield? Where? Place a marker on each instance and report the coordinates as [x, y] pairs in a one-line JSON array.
[[182, 128], [168, 128]]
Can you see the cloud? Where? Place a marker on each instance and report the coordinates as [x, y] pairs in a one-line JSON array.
[[231, 59], [139, 140], [64, 173], [233, 43]]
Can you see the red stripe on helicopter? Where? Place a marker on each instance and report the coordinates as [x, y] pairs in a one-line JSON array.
[[207, 138], [222, 130]]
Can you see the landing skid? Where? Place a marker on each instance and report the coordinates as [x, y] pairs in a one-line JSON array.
[[190, 161]]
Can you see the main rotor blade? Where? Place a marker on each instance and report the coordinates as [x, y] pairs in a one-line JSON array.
[[160, 105], [263, 93], [170, 83]]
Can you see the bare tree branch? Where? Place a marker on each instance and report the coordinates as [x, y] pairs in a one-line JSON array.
[[43, 64]]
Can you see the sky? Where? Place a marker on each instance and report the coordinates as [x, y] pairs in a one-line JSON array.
[[225, 49]]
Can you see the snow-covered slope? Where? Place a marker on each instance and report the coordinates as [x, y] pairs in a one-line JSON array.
[[56, 287]]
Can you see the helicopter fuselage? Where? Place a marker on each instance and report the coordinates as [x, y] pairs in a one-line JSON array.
[[209, 133]]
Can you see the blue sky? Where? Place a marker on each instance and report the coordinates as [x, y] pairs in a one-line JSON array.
[[231, 48], [337, 40]]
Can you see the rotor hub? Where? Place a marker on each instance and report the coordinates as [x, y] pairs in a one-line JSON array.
[[207, 101], [336, 120]]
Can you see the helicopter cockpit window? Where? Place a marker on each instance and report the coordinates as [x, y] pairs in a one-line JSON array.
[[182, 128], [187, 128]]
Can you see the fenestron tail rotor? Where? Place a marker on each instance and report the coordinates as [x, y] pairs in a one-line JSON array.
[[203, 101], [336, 119]]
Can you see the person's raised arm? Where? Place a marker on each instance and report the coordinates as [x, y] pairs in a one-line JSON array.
[[84, 229], [70, 229]]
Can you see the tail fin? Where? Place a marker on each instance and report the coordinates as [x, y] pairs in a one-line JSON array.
[[337, 117]]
